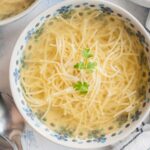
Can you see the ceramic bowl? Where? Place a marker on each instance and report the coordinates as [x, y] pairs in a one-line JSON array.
[[17, 59], [20, 15]]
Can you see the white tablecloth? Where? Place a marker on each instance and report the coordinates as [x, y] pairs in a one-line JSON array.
[[8, 36]]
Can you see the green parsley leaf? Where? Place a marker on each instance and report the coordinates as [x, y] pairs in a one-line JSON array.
[[82, 87], [79, 65], [86, 53], [91, 66]]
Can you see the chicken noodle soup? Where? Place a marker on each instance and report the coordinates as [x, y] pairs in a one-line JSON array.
[[9, 8], [84, 73]]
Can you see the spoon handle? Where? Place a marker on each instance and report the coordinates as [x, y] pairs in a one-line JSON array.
[[6, 144], [15, 137]]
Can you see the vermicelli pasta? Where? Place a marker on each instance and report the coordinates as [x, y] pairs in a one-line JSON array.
[[84, 72]]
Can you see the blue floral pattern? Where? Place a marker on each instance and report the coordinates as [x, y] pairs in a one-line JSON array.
[[29, 35], [29, 138], [16, 75], [141, 37], [61, 137], [64, 9], [29, 113], [136, 116], [106, 10], [101, 139]]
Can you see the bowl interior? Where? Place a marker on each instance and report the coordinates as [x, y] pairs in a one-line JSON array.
[[17, 60], [20, 15]]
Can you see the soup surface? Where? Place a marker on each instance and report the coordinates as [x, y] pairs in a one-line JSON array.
[[84, 73], [9, 8]]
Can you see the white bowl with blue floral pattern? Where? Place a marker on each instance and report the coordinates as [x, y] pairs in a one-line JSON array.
[[17, 59]]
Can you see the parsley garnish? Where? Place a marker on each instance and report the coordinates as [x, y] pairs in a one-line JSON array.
[[82, 87], [79, 65], [86, 53], [86, 64], [91, 66]]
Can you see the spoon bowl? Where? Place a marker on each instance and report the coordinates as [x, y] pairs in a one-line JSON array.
[[11, 123]]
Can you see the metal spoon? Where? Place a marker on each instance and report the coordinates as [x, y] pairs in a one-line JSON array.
[[11, 124]]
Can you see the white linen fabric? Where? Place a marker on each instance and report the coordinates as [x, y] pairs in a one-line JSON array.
[[139, 140]]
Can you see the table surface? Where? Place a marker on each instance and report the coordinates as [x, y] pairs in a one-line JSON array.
[[8, 36]]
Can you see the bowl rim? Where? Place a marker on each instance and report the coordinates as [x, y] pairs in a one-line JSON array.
[[51, 9], [20, 15]]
